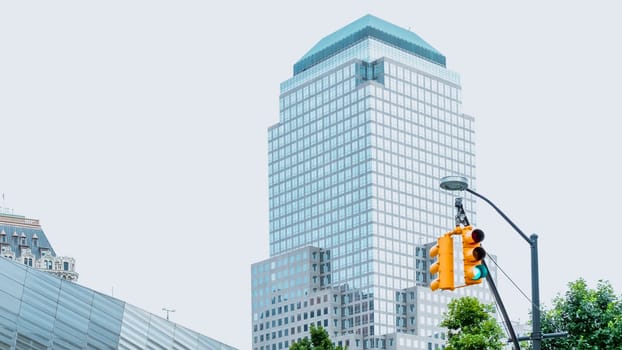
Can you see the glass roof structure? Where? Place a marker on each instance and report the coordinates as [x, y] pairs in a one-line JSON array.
[[363, 28], [39, 311]]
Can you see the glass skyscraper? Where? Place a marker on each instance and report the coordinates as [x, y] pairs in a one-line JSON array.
[[369, 122]]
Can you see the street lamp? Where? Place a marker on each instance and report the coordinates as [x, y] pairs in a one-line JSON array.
[[460, 183]]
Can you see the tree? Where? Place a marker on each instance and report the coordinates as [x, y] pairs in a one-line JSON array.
[[319, 341], [592, 318], [471, 327]]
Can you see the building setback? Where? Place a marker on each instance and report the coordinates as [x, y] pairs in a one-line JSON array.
[[369, 122]]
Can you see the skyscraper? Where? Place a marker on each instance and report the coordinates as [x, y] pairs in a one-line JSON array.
[[369, 122]]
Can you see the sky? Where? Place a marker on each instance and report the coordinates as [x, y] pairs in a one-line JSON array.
[[136, 131]]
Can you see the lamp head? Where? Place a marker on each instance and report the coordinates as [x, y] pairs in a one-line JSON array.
[[454, 183]]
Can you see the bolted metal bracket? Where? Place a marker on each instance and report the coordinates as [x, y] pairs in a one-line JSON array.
[[461, 218]]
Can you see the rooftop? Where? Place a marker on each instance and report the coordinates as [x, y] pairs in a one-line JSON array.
[[15, 227], [361, 29]]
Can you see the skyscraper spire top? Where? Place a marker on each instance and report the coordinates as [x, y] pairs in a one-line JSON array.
[[365, 28]]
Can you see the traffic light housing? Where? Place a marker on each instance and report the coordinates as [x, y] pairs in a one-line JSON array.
[[474, 270], [444, 266]]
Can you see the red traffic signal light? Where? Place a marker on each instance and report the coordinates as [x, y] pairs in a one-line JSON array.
[[444, 266], [474, 270]]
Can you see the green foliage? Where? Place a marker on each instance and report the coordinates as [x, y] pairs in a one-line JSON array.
[[471, 327], [319, 341], [592, 318]]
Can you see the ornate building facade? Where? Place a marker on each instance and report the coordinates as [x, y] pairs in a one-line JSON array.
[[22, 239]]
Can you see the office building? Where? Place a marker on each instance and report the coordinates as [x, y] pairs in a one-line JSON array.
[[22, 239], [369, 122]]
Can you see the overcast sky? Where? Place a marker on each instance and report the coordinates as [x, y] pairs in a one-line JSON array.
[[136, 131]]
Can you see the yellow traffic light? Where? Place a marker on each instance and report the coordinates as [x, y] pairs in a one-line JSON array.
[[444, 266], [474, 270]]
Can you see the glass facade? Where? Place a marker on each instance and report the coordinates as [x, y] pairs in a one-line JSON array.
[[40, 311], [359, 30], [363, 137]]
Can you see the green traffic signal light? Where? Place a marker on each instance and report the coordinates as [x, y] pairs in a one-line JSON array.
[[477, 272], [474, 270]]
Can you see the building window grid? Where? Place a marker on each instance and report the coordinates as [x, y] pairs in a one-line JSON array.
[[293, 200], [359, 142]]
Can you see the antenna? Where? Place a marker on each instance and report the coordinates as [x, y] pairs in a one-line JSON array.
[[168, 311]]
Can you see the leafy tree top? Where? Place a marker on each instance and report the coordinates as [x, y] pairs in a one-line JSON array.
[[471, 326], [592, 318], [319, 341]]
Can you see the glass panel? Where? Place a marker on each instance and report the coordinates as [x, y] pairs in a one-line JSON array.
[[12, 277], [27, 343], [44, 283], [134, 329], [185, 339], [160, 335], [105, 326], [41, 302], [75, 298], [9, 310], [15, 271], [35, 323], [67, 338]]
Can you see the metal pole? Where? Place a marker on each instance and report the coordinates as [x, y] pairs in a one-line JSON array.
[[518, 230], [504, 313], [536, 332], [544, 336], [168, 311]]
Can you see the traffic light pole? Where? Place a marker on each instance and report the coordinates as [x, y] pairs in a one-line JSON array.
[[461, 219], [504, 313], [536, 332]]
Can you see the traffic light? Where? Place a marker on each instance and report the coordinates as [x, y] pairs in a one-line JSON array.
[[444, 266], [474, 270]]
